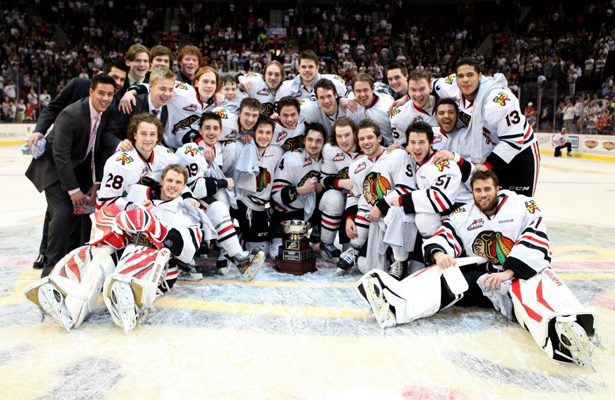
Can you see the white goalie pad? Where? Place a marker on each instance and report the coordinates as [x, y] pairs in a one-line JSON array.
[[129, 293], [546, 307], [70, 291], [417, 296]]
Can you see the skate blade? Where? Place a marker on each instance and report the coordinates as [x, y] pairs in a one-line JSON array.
[[255, 266], [52, 302]]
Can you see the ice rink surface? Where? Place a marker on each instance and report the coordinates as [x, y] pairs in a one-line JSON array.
[[287, 337]]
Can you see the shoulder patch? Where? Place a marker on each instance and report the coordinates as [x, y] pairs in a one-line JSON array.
[[501, 99], [191, 150], [170, 151], [124, 159], [531, 206], [449, 79], [459, 210], [442, 164], [222, 113], [395, 111], [181, 85]]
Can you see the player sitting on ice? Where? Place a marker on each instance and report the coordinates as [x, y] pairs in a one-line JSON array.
[[507, 233]]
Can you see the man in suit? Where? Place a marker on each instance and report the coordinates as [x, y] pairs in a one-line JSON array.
[[76, 90], [161, 86], [73, 163]]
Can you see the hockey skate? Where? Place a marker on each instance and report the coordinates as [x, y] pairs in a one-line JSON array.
[[123, 305], [330, 250], [347, 260], [371, 290], [222, 264], [52, 301], [578, 347], [396, 270], [248, 263]]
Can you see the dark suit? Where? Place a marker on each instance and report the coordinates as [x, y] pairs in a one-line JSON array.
[[62, 168], [143, 106]]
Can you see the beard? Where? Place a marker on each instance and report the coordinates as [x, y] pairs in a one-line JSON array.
[[489, 208]]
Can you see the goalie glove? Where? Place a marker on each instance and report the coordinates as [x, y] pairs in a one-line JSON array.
[[140, 220]]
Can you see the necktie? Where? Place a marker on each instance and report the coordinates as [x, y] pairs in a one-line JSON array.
[[155, 112], [91, 145]]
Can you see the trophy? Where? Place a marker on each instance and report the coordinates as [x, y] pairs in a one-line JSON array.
[[296, 255]]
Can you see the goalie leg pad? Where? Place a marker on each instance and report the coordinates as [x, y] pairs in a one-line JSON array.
[[544, 301], [137, 276], [69, 293], [420, 295]]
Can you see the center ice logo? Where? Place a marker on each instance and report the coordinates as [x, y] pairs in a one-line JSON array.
[[501, 99]]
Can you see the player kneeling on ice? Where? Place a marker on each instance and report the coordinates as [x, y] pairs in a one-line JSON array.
[[170, 226], [511, 274]]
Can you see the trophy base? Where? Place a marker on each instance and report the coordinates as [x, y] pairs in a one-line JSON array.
[[296, 268]]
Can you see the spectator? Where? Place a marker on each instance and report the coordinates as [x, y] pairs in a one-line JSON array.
[[560, 141]]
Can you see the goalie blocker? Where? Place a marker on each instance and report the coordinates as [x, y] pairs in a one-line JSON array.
[[543, 304]]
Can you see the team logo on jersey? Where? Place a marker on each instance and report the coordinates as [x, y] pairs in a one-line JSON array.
[[263, 92], [185, 123], [339, 157], [449, 79], [343, 174], [191, 150], [228, 142], [251, 75], [465, 118], [170, 151], [124, 158], [222, 113], [375, 187], [486, 136], [307, 161], [443, 164], [360, 167], [437, 139], [282, 136], [262, 179], [417, 118], [478, 223], [493, 245], [459, 210], [395, 111], [298, 94], [339, 78], [501, 99], [292, 144], [180, 85], [190, 108], [531, 206], [232, 134], [309, 175]]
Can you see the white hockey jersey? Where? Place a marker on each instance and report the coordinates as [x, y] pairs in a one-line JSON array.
[[402, 117], [513, 238], [380, 179], [439, 187], [294, 169], [295, 88], [254, 175], [313, 113], [260, 91], [185, 110], [378, 111], [335, 164], [288, 139], [124, 169], [440, 139], [231, 128]]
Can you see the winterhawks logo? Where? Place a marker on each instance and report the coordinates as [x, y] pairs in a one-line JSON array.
[[478, 223], [180, 85], [125, 159], [191, 150], [449, 79], [442, 164], [501, 99], [339, 157], [531, 206]]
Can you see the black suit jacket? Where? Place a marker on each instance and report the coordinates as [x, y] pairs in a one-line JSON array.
[[143, 106], [76, 90], [67, 145]]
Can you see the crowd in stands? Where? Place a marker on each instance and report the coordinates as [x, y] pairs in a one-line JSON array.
[[556, 42]]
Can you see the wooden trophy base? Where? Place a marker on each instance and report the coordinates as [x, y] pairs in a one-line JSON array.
[[296, 257]]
